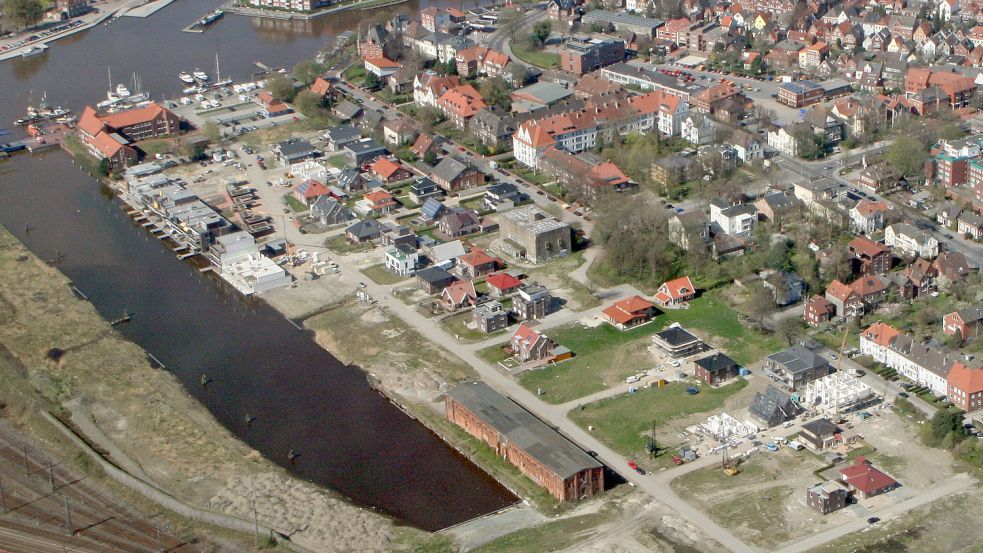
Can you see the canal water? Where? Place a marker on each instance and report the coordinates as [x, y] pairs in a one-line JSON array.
[[350, 438]]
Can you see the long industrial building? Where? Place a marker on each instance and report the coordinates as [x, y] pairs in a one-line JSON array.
[[537, 450]]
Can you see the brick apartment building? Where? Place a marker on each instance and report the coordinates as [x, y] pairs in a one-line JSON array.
[[799, 94], [110, 136], [538, 451], [582, 55]]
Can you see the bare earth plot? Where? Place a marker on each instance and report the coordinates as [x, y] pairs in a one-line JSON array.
[[765, 503]]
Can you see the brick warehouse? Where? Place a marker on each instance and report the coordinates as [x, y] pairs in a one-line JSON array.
[[537, 450]]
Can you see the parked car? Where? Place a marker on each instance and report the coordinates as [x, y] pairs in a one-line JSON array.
[[634, 466]]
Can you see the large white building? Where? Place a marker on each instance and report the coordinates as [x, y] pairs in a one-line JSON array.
[[241, 264], [735, 220], [836, 392], [917, 362], [909, 240]]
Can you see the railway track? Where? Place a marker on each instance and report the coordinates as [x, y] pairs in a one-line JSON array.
[[47, 504]]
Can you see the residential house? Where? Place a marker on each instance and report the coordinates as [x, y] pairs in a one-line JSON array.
[[671, 170], [460, 104], [820, 435], [910, 241], [494, 127], [490, 317], [337, 138], [459, 222], [364, 151], [748, 147], [363, 231], [970, 224], [397, 132], [868, 216], [459, 294], [377, 201], [716, 368], [818, 310], [735, 220], [964, 323], [329, 211], [445, 255], [864, 479], [689, 229], [402, 260], [381, 67], [951, 267], [423, 146], [775, 205], [423, 190], [454, 176], [433, 279], [533, 301], [501, 285], [389, 170], [796, 366], [869, 257], [675, 292], [677, 342], [787, 288], [698, 129], [965, 387], [309, 191], [529, 345], [847, 302], [879, 178], [429, 87], [629, 312], [476, 263]]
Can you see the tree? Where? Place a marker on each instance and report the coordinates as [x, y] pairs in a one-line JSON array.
[[212, 132], [635, 246], [496, 92], [430, 158], [907, 155], [104, 166], [428, 118], [308, 71], [24, 13], [541, 30], [308, 103], [450, 68], [372, 81], [760, 303], [790, 328], [510, 21], [943, 423], [281, 88]]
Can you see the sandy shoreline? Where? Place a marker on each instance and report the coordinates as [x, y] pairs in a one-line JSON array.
[[149, 416]]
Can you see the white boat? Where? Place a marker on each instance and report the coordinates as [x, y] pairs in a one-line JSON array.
[[35, 51], [191, 90], [121, 92], [185, 77], [200, 75]]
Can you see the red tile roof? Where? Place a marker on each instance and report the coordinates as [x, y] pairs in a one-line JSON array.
[[864, 477], [866, 246], [676, 289], [89, 122], [460, 291], [315, 189], [475, 257], [464, 101], [378, 196], [385, 167], [967, 379], [503, 281], [134, 116], [321, 86], [839, 290], [382, 63], [880, 333], [628, 309]]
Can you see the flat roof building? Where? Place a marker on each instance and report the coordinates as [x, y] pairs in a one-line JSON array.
[[529, 232], [642, 26]]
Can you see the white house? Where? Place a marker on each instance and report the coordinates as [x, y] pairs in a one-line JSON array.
[[783, 142], [911, 241], [735, 220], [867, 216], [242, 265], [402, 260], [698, 129], [747, 146]]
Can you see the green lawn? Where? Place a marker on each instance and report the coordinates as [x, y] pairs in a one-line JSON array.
[[158, 146], [620, 421], [294, 203], [339, 161], [456, 325], [721, 325], [539, 58], [381, 275], [494, 354], [340, 244], [604, 356]]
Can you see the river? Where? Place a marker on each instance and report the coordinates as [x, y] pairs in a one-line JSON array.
[[350, 438]]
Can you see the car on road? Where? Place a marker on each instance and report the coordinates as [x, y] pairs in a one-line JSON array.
[[578, 214], [540, 192], [592, 453], [668, 206], [634, 466], [361, 285], [949, 236], [903, 395], [873, 520]]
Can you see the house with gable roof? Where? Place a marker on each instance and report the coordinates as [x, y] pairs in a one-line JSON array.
[[529, 345], [629, 312], [675, 292], [459, 294]]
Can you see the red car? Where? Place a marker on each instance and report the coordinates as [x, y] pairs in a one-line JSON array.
[[634, 466]]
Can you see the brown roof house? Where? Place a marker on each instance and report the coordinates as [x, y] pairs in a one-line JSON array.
[[530, 345]]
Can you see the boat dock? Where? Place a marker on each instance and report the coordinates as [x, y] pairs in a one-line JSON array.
[[206, 21], [147, 9]]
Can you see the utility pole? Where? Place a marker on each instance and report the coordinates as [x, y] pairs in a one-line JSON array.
[[255, 525], [51, 477], [27, 467], [3, 503]]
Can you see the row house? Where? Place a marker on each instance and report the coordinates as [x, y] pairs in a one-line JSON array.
[[584, 174], [596, 124], [919, 363], [479, 60], [429, 87]]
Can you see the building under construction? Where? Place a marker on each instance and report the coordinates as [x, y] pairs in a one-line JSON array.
[[838, 393]]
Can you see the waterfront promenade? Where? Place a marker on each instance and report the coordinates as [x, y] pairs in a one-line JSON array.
[[101, 12]]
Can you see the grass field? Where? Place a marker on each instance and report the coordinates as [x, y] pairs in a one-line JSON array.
[[604, 357], [340, 244], [539, 58], [620, 421], [381, 275], [457, 325], [339, 161], [294, 204], [722, 327]]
